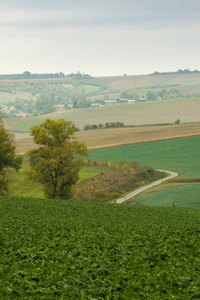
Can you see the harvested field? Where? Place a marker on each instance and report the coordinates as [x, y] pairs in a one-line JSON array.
[[136, 80], [150, 112], [121, 136]]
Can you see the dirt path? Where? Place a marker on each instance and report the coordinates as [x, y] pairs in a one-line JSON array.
[[146, 187]]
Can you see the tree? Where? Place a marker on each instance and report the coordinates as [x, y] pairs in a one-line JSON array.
[[151, 95], [57, 161], [7, 158], [178, 121], [100, 125], [86, 127]]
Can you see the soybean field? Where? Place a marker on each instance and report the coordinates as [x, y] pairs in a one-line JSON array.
[[54, 249]]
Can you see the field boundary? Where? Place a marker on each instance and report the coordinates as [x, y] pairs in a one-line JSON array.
[[144, 141], [137, 142]]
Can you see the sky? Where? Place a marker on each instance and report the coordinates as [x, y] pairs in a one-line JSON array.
[[100, 38]]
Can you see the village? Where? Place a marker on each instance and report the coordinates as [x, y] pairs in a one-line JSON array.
[[12, 111]]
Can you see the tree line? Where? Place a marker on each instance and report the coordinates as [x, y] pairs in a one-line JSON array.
[[123, 166], [29, 75], [164, 94], [106, 125], [185, 71]]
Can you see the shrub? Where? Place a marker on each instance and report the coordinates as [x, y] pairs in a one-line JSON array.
[[144, 174], [178, 121]]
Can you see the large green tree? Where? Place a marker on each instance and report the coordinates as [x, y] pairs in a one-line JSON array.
[[8, 157], [58, 159]]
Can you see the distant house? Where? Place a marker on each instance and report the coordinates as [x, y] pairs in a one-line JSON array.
[[70, 105], [23, 115], [96, 104], [59, 106], [132, 100], [17, 113], [141, 100], [123, 100], [8, 109], [110, 102]]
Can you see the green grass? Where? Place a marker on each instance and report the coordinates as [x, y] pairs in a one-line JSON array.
[[89, 172], [56, 249], [89, 88], [151, 112], [181, 195], [190, 82], [20, 186]]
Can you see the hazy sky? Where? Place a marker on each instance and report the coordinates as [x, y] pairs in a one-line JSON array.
[[101, 38]]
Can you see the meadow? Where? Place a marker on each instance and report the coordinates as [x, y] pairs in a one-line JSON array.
[[54, 249], [150, 112]]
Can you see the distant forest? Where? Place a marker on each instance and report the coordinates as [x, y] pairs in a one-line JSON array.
[[177, 72], [28, 75]]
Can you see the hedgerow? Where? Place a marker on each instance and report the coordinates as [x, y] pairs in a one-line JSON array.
[[54, 249]]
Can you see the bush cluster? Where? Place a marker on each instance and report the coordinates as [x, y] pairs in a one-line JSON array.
[[121, 178], [125, 166]]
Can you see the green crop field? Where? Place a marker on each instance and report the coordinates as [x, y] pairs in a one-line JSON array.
[[182, 195], [54, 249], [179, 155], [150, 112]]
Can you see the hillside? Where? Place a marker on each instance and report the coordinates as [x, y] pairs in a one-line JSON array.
[[150, 112], [111, 86], [140, 80], [123, 81]]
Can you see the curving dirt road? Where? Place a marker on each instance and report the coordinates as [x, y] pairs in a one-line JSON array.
[[146, 187]]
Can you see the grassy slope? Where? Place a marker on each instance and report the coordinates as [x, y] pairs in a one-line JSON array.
[[19, 186], [180, 155], [151, 112], [78, 250]]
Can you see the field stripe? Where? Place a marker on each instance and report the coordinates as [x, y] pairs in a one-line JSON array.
[[137, 142], [144, 141]]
